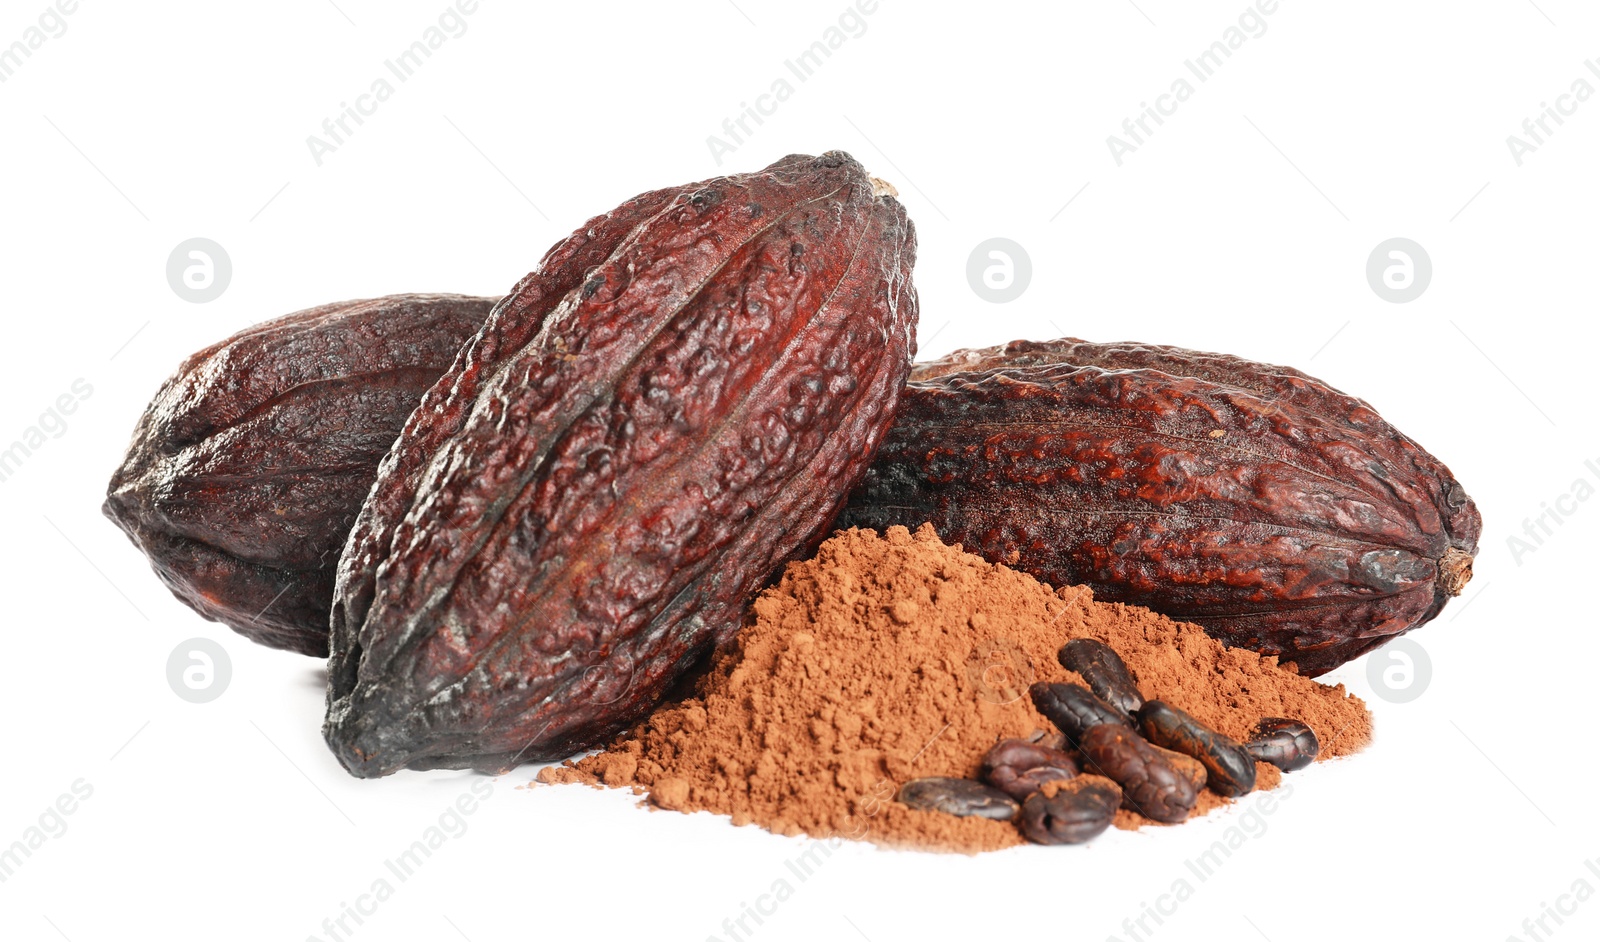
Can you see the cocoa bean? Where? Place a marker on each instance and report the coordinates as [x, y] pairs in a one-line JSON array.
[[1074, 709], [1288, 744], [1230, 771], [1150, 784], [961, 797], [1103, 669], [1079, 810], [1018, 767]]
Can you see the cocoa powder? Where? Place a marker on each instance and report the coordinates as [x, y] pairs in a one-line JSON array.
[[884, 659]]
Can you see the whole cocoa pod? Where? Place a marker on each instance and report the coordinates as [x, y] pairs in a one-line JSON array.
[[671, 406], [1273, 510], [248, 467]]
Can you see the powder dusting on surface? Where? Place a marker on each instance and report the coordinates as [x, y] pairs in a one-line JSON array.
[[884, 659]]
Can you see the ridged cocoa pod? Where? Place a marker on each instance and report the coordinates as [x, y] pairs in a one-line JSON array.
[[248, 467], [1277, 512], [671, 406]]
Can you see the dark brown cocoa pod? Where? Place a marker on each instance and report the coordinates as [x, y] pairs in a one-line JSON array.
[[1074, 709], [1103, 669], [248, 467], [1150, 784], [1230, 770], [1080, 810], [650, 425], [1288, 744], [1275, 511], [961, 797], [1018, 767]]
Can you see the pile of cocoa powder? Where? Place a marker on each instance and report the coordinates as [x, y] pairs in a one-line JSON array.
[[884, 659]]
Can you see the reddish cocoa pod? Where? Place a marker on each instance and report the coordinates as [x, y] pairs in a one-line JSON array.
[[1273, 510], [1288, 744], [1230, 770], [1018, 767], [1104, 671], [1074, 709], [579, 512], [1150, 784], [1080, 810], [248, 467]]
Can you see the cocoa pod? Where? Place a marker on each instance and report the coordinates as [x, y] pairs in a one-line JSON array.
[[1079, 810], [1273, 510], [1074, 709], [1150, 784], [1018, 767], [646, 428], [1288, 744], [248, 467], [1104, 671], [961, 797], [1230, 771]]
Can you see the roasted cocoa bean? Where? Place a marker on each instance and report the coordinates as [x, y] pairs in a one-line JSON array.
[[1150, 784], [1018, 767], [646, 428], [1074, 709], [1103, 669], [961, 797], [249, 466], [1188, 766], [1275, 511], [1288, 744], [1079, 810], [1230, 771]]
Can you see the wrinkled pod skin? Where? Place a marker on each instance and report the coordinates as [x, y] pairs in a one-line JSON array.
[[248, 467], [1275, 511], [652, 422]]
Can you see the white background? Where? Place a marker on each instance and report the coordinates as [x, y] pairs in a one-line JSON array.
[[1243, 225]]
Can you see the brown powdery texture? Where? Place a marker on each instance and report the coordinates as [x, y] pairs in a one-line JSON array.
[[884, 659]]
